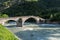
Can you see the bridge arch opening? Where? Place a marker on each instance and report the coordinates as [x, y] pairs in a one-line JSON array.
[[31, 20], [10, 21]]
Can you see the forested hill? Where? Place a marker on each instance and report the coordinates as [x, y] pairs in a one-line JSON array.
[[4, 4], [42, 8]]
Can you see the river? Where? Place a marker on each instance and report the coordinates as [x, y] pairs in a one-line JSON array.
[[33, 24], [33, 31]]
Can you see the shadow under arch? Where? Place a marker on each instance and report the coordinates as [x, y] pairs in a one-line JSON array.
[[10, 21], [31, 20]]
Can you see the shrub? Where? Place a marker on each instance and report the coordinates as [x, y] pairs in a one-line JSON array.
[[3, 15], [6, 34]]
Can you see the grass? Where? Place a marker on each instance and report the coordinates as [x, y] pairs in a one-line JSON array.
[[5, 34]]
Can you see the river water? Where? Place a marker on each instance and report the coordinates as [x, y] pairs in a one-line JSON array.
[[33, 24], [33, 31]]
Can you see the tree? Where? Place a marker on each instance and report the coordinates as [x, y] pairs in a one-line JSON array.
[[0, 14], [4, 15]]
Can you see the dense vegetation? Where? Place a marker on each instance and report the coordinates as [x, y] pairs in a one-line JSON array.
[[3, 15], [5, 34], [48, 9]]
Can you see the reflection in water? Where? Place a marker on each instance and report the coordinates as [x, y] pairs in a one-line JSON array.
[[33, 24], [41, 25], [10, 24]]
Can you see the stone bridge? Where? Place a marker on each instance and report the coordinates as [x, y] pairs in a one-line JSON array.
[[22, 19]]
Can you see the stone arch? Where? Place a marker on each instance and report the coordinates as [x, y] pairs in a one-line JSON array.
[[10, 21], [31, 20]]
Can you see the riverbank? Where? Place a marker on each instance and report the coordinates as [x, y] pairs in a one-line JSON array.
[[5, 34]]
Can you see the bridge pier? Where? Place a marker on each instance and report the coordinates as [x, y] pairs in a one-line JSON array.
[[19, 23]]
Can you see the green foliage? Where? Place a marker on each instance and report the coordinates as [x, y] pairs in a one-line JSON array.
[[56, 17], [48, 9], [0, 15], [3, 15], [5, 34], [31, 0]]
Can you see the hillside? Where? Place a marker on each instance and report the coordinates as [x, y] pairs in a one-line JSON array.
[[5, 34], [42, 3], [42, 8]]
